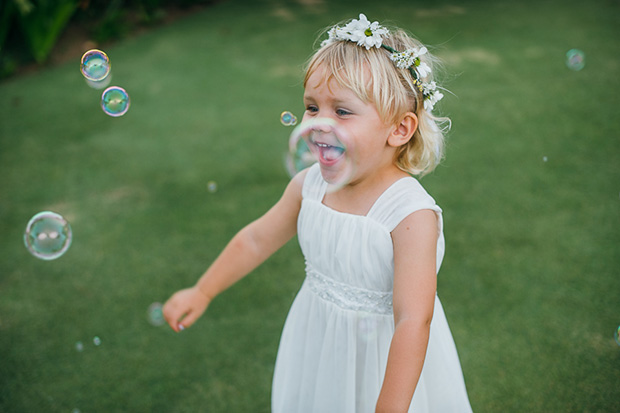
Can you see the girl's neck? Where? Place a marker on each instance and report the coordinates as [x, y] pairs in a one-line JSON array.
[[358, 197]]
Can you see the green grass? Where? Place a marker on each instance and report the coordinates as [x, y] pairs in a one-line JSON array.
[[530, 281]]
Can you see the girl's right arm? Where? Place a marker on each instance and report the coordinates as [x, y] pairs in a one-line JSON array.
[[246, 251]]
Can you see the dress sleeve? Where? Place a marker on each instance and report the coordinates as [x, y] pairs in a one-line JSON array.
[[402, 199]]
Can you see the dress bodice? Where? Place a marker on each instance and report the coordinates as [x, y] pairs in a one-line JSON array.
[[357, 250]]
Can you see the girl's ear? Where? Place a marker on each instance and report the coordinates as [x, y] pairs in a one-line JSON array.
[[404, 130]]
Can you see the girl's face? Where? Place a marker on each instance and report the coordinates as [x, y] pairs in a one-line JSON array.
[[361, 147]]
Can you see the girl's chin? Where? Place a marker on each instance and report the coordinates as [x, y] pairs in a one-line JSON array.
[[336, 175]]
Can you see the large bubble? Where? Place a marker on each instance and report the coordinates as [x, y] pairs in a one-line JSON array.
[[48, 235]]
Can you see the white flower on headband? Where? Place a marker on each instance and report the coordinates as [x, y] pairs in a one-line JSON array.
[[367, 34], [361, 31], [411, 58], [431, 95]]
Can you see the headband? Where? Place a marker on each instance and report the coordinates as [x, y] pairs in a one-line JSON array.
[[367, 34]]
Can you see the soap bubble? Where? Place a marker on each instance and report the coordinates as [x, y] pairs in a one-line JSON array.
[[95, 65], [155, 314], [575, 59], [79, 346], [617, 335], [212, 186], [298, 157], [326, 144], [288, 119], [48, 235], [545, 159], [96, 341], [115, 101]]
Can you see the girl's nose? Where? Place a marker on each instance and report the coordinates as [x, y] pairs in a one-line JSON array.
[[322, 127]]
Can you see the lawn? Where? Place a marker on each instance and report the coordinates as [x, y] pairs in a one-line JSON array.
[[530, 190]]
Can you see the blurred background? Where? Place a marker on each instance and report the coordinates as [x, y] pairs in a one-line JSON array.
[[530, 190]]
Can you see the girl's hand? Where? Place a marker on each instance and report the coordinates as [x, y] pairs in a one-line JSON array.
[[185, 307]]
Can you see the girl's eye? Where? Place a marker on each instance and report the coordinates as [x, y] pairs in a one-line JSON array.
[[342, 112], [311, 109]]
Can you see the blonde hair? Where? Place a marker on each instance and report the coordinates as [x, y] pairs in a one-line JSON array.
[[375, 79]]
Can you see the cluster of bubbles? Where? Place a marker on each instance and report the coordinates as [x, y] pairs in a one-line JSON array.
[[575, 59], [96, 69], [48, 235], [79, 346]]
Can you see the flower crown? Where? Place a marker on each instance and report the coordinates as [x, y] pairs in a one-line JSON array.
[[368, 35]]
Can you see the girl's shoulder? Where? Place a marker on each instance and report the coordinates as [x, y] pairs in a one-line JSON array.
[[402, 198]]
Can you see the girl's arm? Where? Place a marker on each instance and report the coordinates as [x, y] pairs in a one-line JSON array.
[[415, 284], [246, 251]]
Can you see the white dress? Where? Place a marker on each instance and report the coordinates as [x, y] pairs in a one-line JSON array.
[[335, 342]]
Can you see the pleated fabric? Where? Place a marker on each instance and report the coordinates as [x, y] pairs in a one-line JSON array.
[[336, 338]]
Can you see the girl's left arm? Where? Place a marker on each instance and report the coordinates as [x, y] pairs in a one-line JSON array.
[[415, 285]]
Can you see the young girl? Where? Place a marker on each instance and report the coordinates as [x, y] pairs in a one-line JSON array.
[[366, 331]]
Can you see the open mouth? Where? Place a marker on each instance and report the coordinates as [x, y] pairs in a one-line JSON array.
[[328, 153]]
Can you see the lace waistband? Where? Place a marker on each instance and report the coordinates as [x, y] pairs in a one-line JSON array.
[[347, 296]]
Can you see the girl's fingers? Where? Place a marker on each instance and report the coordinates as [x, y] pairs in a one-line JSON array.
[[189, 319]]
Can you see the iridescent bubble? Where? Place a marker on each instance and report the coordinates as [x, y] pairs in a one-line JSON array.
[[212, 186], [96, 341], [321, 140], [545, 159], [155, 314], [617, 335], [288, 119], [298, 157], [95, 65], [79, 346], [48, 235], [115, 101], [575, 59]]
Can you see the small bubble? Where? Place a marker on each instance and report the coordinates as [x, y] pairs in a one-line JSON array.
[[115, 101], [155, 314], [545, 159], [212, 186], [79, 346], [288, 119], [96, 341], [367, 328], [95, 65], [48, 235], [575, 59], [617, 335]]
